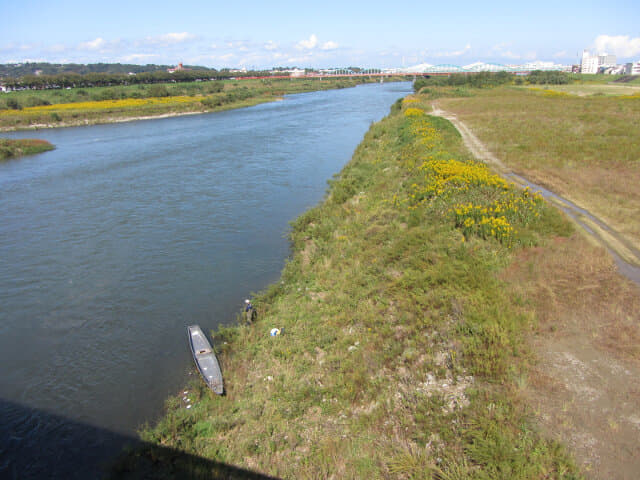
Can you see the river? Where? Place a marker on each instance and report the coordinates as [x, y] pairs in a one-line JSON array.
[[114, 242]]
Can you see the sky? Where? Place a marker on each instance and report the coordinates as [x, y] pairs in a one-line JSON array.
[[318, 34]]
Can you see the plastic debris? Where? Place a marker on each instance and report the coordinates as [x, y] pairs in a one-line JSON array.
[[275, 332]]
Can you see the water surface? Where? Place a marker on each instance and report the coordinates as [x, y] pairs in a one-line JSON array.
[[114, 242]]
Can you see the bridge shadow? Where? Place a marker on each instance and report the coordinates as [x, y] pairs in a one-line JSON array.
[[35, 444]]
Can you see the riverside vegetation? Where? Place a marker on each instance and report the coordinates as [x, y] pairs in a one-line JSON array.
[[577, 139], [16, 148], [81, 106], [407, 308]]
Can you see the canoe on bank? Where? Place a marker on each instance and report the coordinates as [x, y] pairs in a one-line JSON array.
[[205, 359]]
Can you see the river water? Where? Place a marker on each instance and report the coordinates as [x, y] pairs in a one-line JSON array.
[[114, 242]]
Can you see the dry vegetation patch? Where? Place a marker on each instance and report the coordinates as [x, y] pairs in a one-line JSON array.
[[585, 385], [584, 148]]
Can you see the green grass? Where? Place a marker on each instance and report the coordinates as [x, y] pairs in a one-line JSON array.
[[402, 346], [18, 148]]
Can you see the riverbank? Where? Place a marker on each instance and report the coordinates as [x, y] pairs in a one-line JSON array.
[[17, 148], [404, 348], [53, 109]]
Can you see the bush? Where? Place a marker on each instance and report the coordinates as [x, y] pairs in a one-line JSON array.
[[36, 102], [13, 104], [215, 87], [158, 91], [538, 77]]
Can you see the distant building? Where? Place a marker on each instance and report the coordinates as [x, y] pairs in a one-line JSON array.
[[606, 60], [589, 63], [635, 68], [596, 63], [177, 69]]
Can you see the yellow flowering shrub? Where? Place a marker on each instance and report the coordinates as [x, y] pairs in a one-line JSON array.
[[413, 112], [496, 204]]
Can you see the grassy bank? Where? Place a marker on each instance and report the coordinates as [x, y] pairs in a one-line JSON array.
[[404, 346], [83, 106], [581, 146], [17, 148]]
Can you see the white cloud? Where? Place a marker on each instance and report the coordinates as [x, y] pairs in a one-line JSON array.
[[455, 53], [560, 54], [93, 44], [57, 48], [170, 38], [139, 57], [270, 45], [509, 54], [309, 44], [177, 37], [11, 47], [329, 45], [620, 45]]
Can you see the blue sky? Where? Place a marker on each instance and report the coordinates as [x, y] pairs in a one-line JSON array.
[[315, 34]]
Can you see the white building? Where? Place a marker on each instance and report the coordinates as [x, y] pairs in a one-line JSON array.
[[589, 62], [635, 68], [606, 60], [593, 63]]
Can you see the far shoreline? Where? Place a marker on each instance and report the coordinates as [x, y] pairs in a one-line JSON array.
[[109, 120]]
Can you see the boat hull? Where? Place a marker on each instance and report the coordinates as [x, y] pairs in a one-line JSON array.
[[205, 359]]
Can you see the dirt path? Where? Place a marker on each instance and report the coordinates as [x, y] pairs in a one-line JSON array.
[[589, 401], [625, 255], [584, 390]]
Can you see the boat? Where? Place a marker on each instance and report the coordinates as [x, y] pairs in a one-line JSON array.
[[205, 359]]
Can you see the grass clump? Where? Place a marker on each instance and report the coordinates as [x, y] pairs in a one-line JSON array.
[[16, 148], [402, 343]]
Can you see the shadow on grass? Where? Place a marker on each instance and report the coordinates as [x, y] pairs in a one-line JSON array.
[[35, 444]]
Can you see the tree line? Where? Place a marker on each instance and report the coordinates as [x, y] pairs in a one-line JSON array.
[[96, 79], [490, 79]]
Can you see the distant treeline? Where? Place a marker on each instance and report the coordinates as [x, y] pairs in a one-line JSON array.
[[73, 79], [490, 79], [17, 70]]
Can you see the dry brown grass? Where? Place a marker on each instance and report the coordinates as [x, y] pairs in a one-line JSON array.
[[585, 386], [575, 288], [583, 148]]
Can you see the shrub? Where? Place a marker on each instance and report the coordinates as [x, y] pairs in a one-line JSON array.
[[13, 104], [36, 102], [158, 91]]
